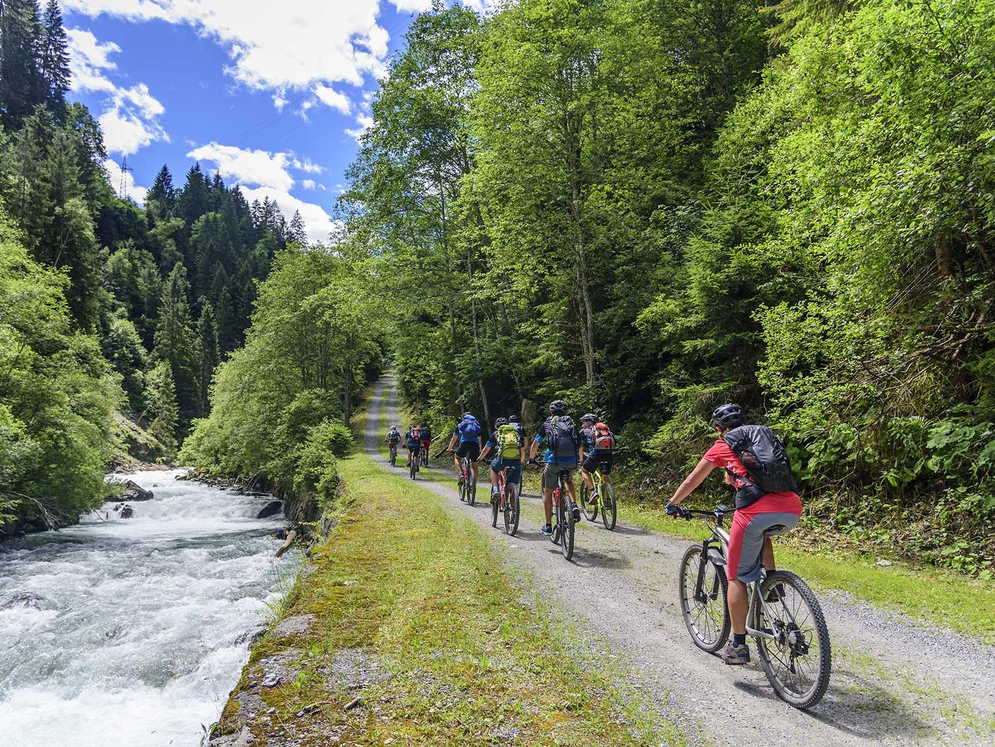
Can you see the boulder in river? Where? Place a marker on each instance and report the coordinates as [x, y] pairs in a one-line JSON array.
[[24, 600], [125, 511], [270, 509], [135, 492]]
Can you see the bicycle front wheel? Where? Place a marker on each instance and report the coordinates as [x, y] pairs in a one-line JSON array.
[[511, 509], [706, 615], [799, 660], [609, 508], [588, 502]]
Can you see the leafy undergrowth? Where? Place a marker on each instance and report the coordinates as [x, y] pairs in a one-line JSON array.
[[418, 637]]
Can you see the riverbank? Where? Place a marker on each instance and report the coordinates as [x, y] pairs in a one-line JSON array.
[[406, 626]]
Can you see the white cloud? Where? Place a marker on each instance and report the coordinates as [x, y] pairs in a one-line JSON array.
[[130, 119], [330, 97], [307, 166], [319, 224], [293, 45], [258, 167], [312, 185], [133, 190], [412, 6], [365, 122]]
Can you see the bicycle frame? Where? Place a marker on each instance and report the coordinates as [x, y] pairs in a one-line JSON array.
[[716, 549]]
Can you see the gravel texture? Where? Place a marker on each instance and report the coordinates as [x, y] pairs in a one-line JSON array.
[[894, 682]]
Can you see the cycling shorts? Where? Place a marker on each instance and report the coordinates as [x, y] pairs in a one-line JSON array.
[[550, 475], [774, 513], [426, 443], [600, 461], [468, 449], [512, 468], [415, 447]]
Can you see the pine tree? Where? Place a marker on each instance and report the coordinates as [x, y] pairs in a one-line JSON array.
[[175, 342], [160, 396], [162, 193], [208, 352], [195, 199], [298, 231], [21, 85], [55, 57]]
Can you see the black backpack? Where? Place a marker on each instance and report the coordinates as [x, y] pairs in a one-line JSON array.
[[766, 461], [562, 438]]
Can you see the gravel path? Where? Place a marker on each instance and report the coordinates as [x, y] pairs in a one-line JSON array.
[[893, 682]]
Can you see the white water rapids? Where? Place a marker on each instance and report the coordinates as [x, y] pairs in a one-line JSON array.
[[144, 622]]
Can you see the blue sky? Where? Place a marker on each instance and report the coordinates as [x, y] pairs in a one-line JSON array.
[[272, 94]]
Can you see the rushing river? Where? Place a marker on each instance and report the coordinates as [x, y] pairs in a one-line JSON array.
[[143, 624]]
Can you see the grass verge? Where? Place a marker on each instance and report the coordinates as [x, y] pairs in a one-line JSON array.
[[416, 636]]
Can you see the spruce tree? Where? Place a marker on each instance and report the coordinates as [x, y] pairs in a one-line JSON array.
[[195, 199], [162, 193], [208, 352], [175, 342], [298, 231], [21, 85], [160, 396], [55, 58]]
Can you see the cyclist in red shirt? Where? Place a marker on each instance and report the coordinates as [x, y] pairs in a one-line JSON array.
[[757, 513]]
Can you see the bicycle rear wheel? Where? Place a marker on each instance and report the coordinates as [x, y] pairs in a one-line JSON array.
[[707, 619], [566, 529], [393, 458], [587, 502], [461, 485], [511, 509], [413, 469], [471, 487], [798, 663], [609, 508]]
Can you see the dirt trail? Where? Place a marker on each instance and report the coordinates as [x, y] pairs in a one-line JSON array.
[[893, 683]]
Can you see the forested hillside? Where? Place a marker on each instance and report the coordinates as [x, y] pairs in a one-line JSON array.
[[650, 208], [106, 306]]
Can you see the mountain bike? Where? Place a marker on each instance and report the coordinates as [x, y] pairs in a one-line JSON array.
[[506, 504], [393, 455], [466, 482], [784, 616], [424, 454], [603, 499], [563, 522]]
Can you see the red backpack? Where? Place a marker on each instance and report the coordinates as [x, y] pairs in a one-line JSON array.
[[602, 437]]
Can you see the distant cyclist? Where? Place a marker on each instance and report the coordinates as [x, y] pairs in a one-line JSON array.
[[599, 450], [561, 440], [757, 510], [425, 432], [506, 445], [467, 433], [393, 438], [412, 442]]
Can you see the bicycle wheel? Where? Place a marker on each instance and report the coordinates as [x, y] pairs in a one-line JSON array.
[[461, 485], [799, 661], [566, 531], [587, 503], [393, 459], [511, 509], [413, 469], [471, 487], [609, 509], [495, 507], [707, 620]]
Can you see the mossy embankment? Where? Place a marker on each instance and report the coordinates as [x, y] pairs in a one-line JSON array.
[[406, 629]]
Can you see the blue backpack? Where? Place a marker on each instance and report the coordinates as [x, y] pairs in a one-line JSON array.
[[469, 428]]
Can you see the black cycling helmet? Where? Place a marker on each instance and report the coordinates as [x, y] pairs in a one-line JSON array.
[[558, 407], [726, 416], [590, 416], [500, 421], [514, 419]]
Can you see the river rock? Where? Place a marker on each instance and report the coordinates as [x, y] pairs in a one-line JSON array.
[[270, 509], [135, 492], [125, 511], [24, 600]]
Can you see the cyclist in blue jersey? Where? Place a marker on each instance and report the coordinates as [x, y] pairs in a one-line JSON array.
[[562, 443], [468, 433]]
